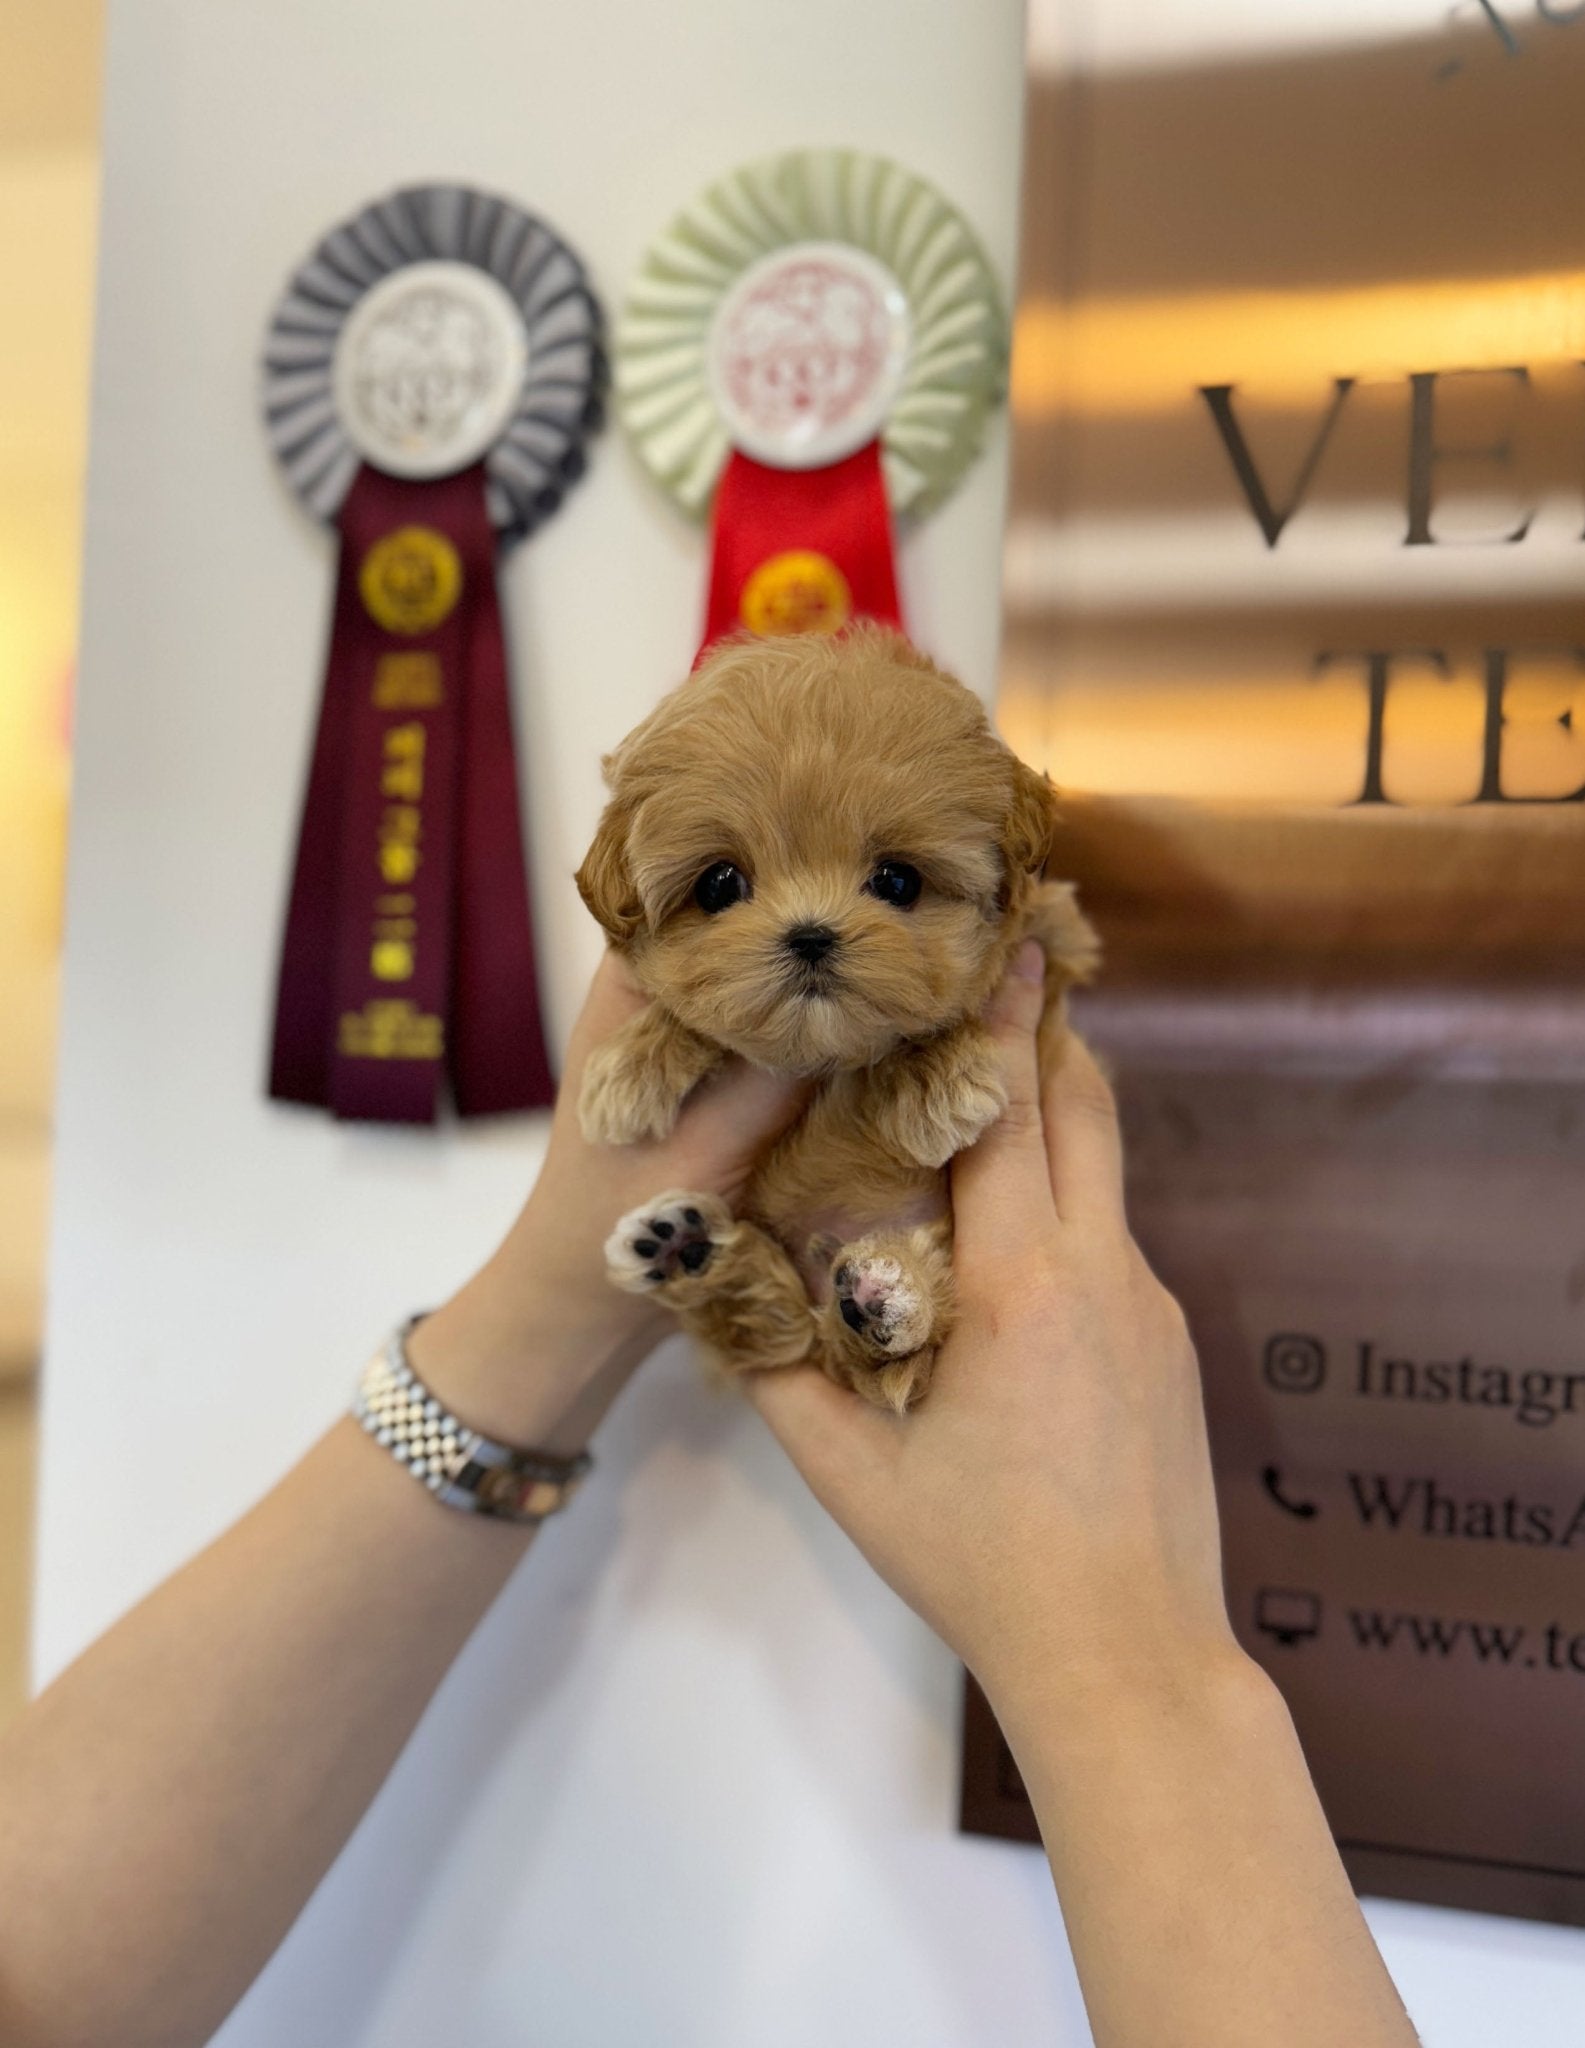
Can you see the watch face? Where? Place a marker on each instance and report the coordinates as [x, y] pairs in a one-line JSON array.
[[807, 353], [428, 368], [524, 1496]]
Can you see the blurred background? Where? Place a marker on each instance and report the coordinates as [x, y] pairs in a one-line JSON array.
[[49, 116]]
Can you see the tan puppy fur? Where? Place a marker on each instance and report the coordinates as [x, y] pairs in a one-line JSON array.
[[807, 765]]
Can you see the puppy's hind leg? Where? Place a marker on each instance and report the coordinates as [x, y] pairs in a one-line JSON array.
[[730, 1284], [891, 1307]]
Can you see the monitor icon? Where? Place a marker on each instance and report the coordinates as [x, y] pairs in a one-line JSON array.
[[1288, 1617]]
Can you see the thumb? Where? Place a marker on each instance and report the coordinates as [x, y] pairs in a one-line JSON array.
[[1001, 1186]]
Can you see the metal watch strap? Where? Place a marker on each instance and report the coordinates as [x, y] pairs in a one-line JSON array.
[[458, 1465]]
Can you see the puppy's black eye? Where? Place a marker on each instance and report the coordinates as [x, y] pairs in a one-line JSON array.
[[719, 887], [896, 883]]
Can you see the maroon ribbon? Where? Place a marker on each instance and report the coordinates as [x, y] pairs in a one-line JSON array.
[[409, 943]]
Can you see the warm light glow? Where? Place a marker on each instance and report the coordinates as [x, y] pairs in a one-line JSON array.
[[1215, 733], [1291, 741], [1150, 34], [1142, 354], [47, 202]]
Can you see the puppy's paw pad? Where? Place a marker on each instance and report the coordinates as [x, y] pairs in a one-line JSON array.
[[674, 1235], [882, 1304]]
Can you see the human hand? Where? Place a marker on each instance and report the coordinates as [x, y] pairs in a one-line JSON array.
[[1048, 1509], [538, 1343]]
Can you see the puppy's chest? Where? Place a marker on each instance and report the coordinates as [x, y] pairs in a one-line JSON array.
[[830, 1177]]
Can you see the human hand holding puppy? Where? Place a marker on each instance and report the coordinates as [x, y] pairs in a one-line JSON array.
[[1049, 1511]]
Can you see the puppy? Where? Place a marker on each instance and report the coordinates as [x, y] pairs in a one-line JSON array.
[[817, 854]]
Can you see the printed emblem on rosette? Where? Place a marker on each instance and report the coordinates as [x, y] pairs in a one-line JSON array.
[[438, 326], [801, 306]]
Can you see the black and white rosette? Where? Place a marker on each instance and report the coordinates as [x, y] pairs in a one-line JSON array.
[[436, 326]]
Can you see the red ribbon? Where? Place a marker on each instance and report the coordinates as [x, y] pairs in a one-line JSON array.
[[409, 941], [801, 550]]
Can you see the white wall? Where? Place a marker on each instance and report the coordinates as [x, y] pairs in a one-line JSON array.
[[693, 1782]]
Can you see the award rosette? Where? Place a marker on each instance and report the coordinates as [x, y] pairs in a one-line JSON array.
[[431, 375], [809, 349]]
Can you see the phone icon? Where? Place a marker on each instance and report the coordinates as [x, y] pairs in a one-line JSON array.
[[1271, 1479]]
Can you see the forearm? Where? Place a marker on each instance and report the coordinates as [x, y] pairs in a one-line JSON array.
[[1204, 1900], [167, 1807]]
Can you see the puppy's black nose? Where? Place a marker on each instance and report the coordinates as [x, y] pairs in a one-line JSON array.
[[811, 942]]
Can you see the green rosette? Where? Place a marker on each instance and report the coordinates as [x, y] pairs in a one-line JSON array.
[[953, 372]]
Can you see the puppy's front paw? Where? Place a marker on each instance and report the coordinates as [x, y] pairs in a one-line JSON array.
[[634, 1084], [624, 1100], [943, 1099], [676, 1235]]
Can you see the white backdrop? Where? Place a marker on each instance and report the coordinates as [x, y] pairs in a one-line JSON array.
[[694, 1780]]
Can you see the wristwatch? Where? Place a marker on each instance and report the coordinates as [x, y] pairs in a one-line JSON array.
[[459, 1465]]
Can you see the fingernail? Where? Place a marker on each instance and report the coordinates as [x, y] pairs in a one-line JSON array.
[[1029, 962]]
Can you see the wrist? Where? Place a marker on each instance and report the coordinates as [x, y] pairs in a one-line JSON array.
[[1119, 1699], [521, 1370]]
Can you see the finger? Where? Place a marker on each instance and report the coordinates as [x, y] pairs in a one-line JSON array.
[[841, 1446], [1082, 1136], [1001, 1186]]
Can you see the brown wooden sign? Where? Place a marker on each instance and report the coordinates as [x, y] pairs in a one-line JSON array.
[[1383, 1262], [1294, 572]]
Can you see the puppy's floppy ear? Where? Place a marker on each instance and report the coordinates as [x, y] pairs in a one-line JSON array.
[[605, 881], [1029, 833]]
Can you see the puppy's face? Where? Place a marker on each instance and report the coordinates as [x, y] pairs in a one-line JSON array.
[[815, 850]]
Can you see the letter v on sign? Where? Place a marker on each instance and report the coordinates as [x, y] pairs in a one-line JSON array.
[[1270, 518]]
